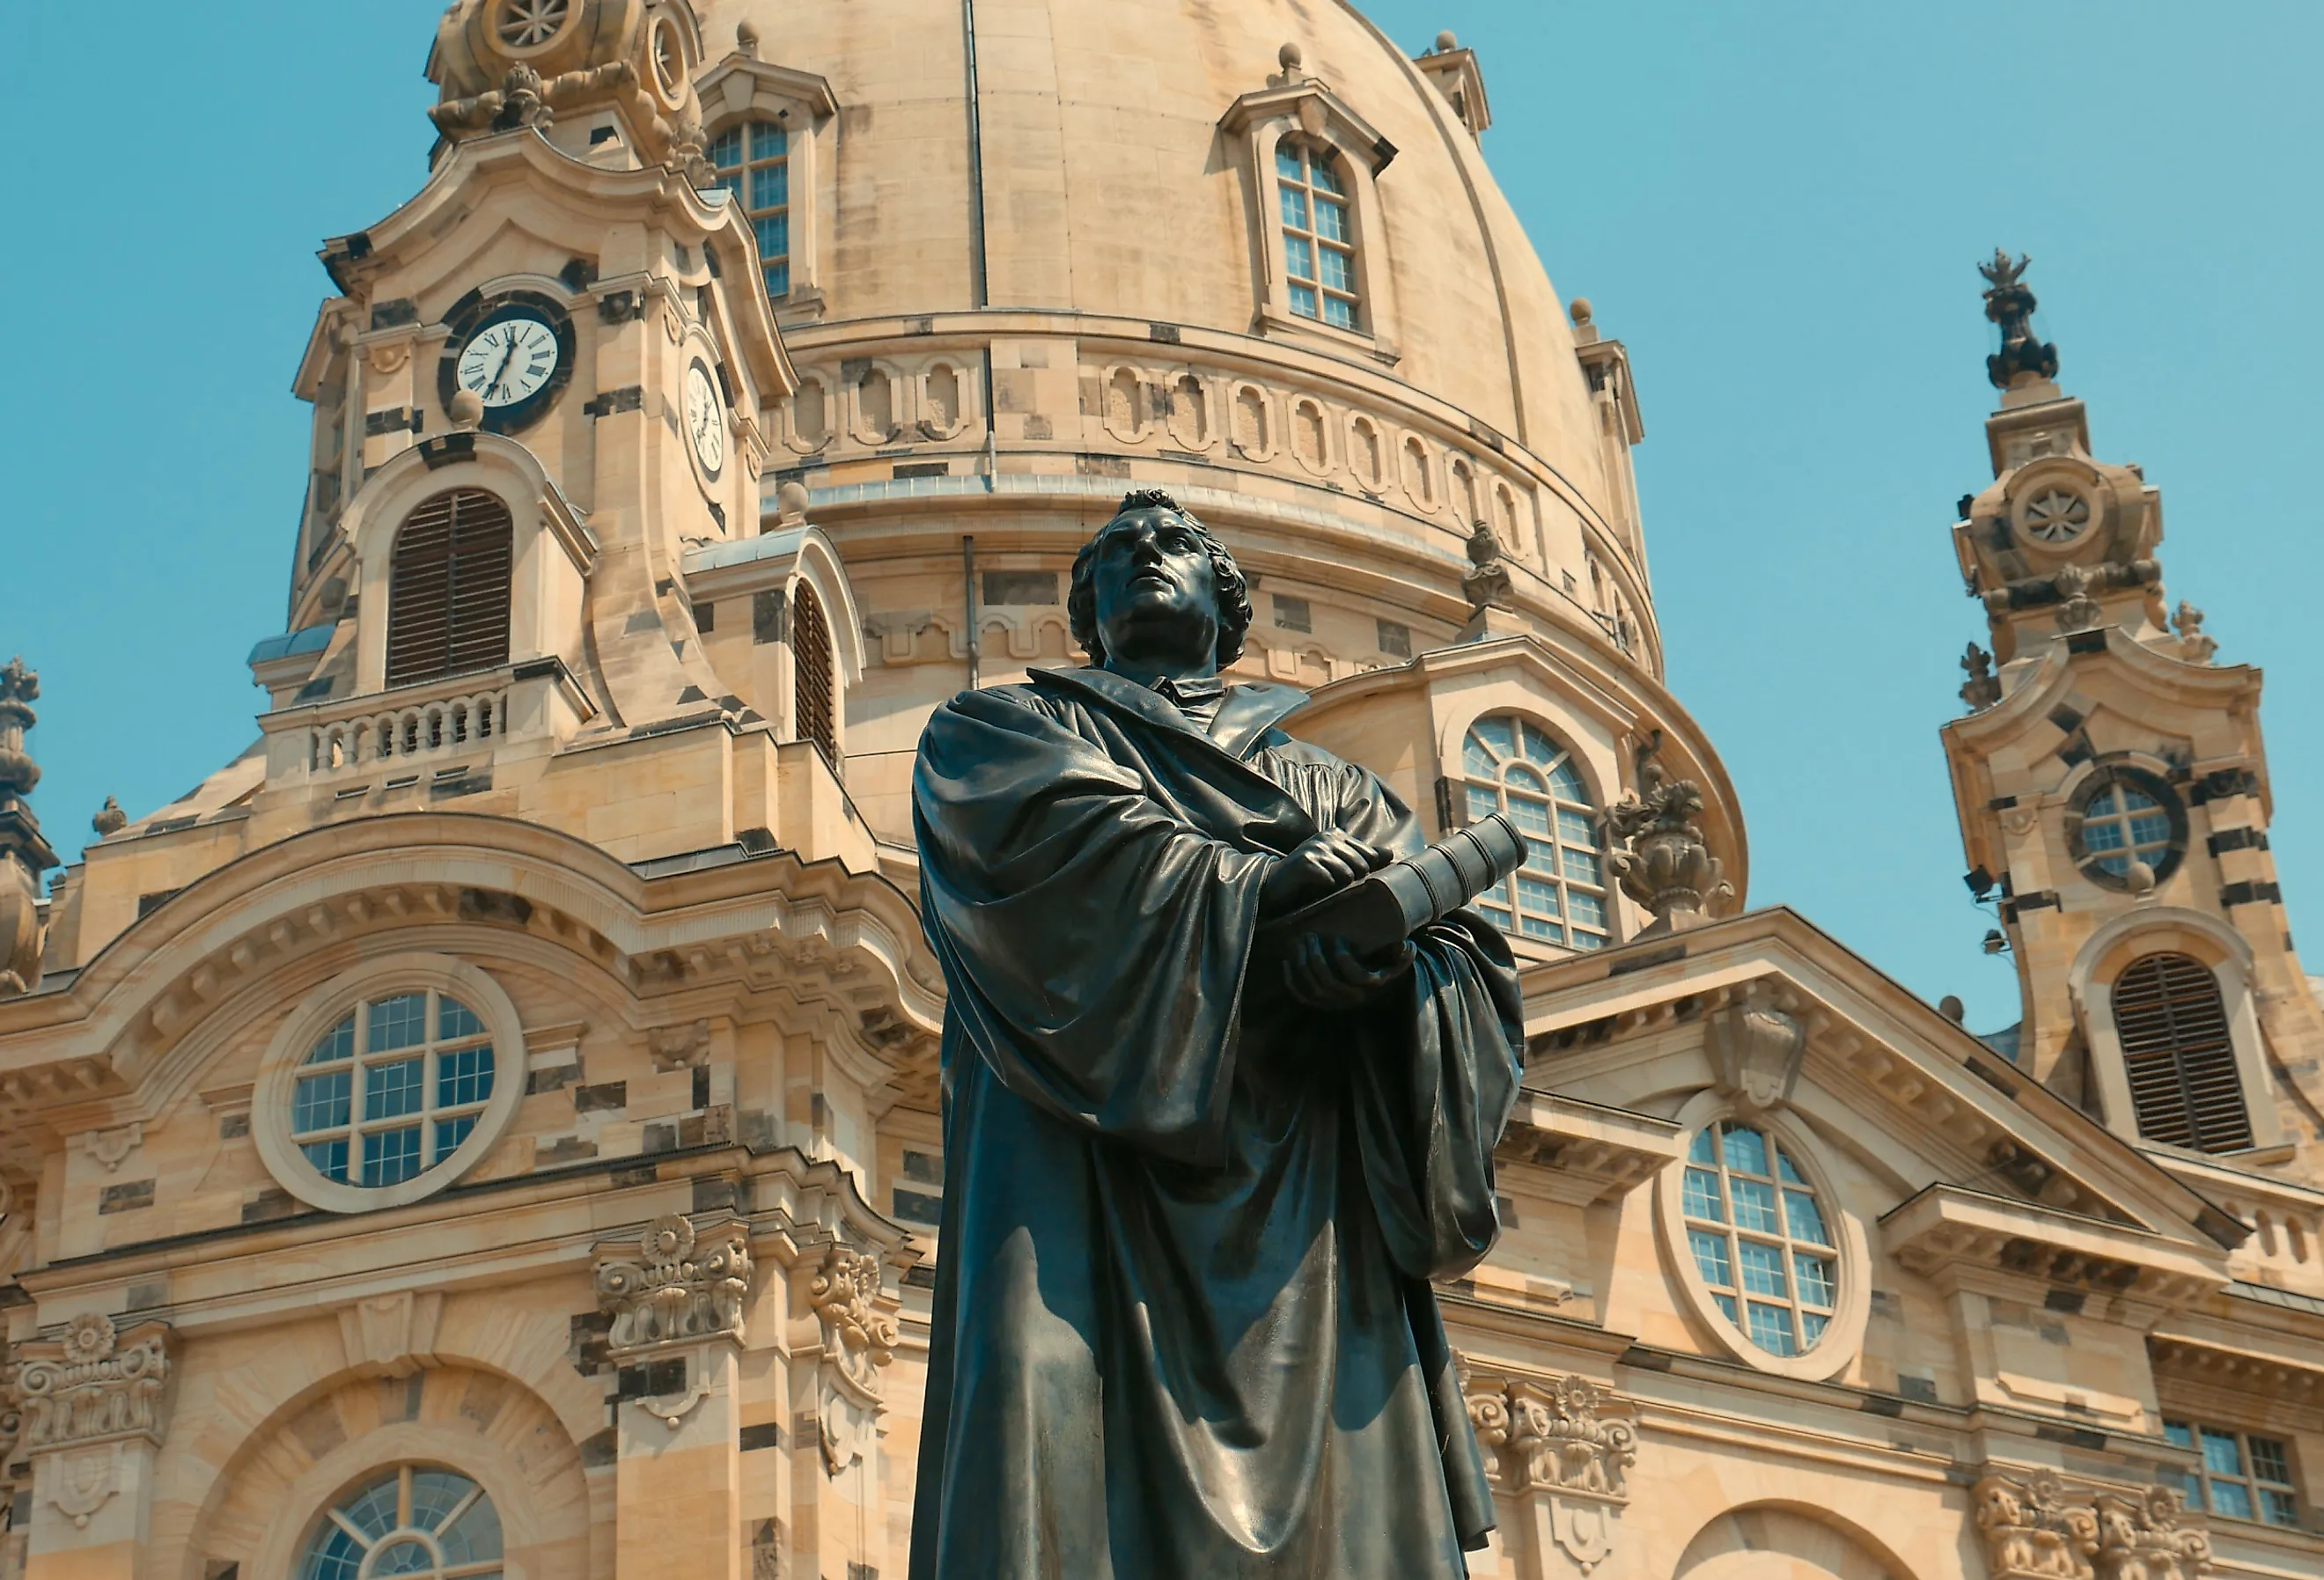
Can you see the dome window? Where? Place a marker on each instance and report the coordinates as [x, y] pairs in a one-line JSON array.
[[753, 163], [1558, 897], [1319, 238]]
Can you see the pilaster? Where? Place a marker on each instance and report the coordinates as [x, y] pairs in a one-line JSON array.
[[91, 1408], [1559, 1450]]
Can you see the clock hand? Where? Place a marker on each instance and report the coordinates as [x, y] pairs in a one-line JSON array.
[[502, 371]]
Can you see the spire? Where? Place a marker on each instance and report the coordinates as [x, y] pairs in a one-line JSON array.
[[24, 855], [2009, 302]]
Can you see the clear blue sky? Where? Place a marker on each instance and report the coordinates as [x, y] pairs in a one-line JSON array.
[[1778, 207]]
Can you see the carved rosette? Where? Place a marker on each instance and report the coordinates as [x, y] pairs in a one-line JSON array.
[[859, 1338], [1562, 1446], [93, 1385], [2037, 1527], [683, 1285]]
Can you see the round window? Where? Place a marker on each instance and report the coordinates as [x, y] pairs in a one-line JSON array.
[[2126, 815], [417, 1521], [2056, 515], [392, 1089], [526, 26], [1760, 1238], [389, 1083]]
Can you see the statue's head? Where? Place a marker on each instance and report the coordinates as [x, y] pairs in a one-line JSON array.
[[1154, 581]]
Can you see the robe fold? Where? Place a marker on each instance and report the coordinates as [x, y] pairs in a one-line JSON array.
[[1183, 1324]]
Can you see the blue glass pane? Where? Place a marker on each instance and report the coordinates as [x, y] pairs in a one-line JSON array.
[[1500, 735], [726, 148], [2269, 1462], [1521, 775], [1746, 1149], [435, 1494], [1294, 207], [2119, 865], [1771, 1329], [770, 186], [1535, 927], [1819, 1280], [333, 1555], [1576, 829], [1710, 1258], [1332, 221], [398, 1022], [1324, 176], [1582, 866], [1588, 909], [2179, 1433], [1569, 784], [1755, 1206], [1298, 257], [1699, 1151], [394, 1090], [2221, 1454], [1286, 162], [1483, 803], [321, 1102], [455, 1019], [329, 1157], [1337, 275], [464, 1077], [774, 235], [1532, 894], [1340, 311], [1702, 1192], [372, 1510], [1476, 758], [1787, 1171], [769, 141], [1812, 1328], [1496, 915], [2150, 831], [2279, 1507], [1303, 301], [337, 1043], [1531, 816], [1805, 1218], [1763, 1267], [2231, 1499], [476, 1537], [390, 1157], [778, 278], [1541, 856], [732, 181], [2102, 836], [2134, 801], [1726, 1304], [1586, 940], [451, 1133]]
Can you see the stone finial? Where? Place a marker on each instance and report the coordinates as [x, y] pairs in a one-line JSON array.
[[1446, 43], [24, 855], [746, 39], [1290, 58], [1668, 868], [20, 687], [2193, 644], [2077, 609], [466, 408], [110, 820], [790, 504], [1578, 310], [2009, 302], [1486, 584], [1981, 690]]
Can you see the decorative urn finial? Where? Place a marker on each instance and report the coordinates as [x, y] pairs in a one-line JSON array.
[[1668, 868], [24, 855], [2009, 302]]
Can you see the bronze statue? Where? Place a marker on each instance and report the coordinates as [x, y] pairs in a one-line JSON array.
[[1183, 1321]]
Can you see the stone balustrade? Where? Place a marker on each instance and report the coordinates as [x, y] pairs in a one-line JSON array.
[[414, 730], [433, 723]]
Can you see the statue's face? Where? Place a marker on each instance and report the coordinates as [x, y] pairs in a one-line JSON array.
[[1154, 586]]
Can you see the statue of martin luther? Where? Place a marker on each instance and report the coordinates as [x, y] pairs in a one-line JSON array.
[[1183, 1324]]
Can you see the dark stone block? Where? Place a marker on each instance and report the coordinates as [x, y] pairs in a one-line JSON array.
[[713, 1193], [650, 1379], [2086, 641], [1921, 1390], [766, 1434], [701, 1093], [234, 1126], [660, 1138], [491, 905], [927, 1168], [269, 1205], [127, 1197], [147, 904], [637, 1174], [552, 1078], [920, 1275], [628, 398], [2065, 718], [394, 312], [914, 1207], [600, 1449], [610, 1097], [579, 274], [1166, 333], [564, 1150], [769, 616], [1647, 960]]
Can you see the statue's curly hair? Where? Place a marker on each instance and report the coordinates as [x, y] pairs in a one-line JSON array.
[[1234, 592]]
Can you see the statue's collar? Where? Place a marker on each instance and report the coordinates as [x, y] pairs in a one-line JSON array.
[[1248, 712]]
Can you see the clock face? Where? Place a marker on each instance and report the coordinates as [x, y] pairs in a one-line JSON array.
[[706, 420], [510, 360]]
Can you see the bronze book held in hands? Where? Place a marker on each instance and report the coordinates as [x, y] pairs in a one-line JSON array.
[[1378, 912]]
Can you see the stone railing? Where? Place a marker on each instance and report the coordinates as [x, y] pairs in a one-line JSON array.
[[437, 721]]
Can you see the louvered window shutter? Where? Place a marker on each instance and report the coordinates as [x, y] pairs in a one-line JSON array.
[[2179, 1056], [812, 691], [447, 590]]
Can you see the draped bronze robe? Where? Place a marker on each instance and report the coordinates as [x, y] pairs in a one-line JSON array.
[[1183, 1325]]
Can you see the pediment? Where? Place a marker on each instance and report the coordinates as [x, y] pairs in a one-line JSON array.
[[1778, 1019]]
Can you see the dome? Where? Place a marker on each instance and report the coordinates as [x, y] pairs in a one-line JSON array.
[[1110, 187]]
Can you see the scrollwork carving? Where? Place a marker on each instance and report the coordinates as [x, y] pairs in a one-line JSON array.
[[1565, 1447], [683, 1285], [92, 1385], [2039, 1528], [859, 1338]]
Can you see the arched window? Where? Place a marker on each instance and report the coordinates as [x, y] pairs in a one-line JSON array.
[[813, 691], [2178, 1055], [1559, 895], [448, 588], [753, 163], [1759, 1238], [419, 1521], [1319, 241]]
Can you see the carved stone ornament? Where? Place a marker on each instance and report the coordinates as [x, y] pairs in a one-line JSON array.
[[2039, 1528], [2009, 302], [24, 853], [683, 1287], [2193, 646], [2077, 609], [111, 1147], [80, 1482], [679, 1047], [1757, 1043], [92, 1385], [1668, 868], [1486, 584], [1981, 689], [858, 1339], [1566, 1445]]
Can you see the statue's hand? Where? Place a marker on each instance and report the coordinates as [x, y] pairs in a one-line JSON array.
[[1331, 861], [1332, 976]]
